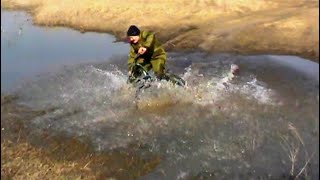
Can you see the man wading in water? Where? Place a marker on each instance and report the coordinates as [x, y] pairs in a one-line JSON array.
[[151, 54], [148, 53]]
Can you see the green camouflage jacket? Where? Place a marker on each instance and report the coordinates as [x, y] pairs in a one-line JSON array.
[[149, 41]]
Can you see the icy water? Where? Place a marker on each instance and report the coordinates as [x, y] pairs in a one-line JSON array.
[[251, 127]]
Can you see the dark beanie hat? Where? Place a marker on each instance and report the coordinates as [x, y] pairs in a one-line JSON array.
[[133, 31]]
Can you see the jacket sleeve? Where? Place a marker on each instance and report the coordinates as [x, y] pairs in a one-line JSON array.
[[132, 55], [149, 42]]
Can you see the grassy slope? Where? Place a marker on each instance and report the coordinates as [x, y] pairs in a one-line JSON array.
[[244, 26]]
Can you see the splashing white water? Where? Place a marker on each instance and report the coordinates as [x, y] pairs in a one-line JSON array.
[[209, 121]]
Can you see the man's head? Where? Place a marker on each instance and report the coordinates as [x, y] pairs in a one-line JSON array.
[[133, 34]]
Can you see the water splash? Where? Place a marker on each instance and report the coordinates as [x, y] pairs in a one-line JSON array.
[[197, 128]]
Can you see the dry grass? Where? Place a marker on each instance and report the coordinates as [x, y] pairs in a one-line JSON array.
[[293, 144], [244, 26], [69, 160], [110, 15], [23, 161]]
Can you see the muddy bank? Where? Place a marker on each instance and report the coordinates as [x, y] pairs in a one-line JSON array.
[[246, 27]]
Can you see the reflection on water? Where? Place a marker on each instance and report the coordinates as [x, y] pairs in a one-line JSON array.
[[28, 50], [307, 67], [246, 128]]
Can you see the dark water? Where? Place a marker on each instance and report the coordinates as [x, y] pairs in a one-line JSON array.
[[244, 128]]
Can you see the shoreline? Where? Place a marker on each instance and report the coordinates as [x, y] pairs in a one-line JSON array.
[[291, 31], [27, 155]]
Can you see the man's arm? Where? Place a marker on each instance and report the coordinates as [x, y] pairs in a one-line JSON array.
[[131, 59], [150, 38]]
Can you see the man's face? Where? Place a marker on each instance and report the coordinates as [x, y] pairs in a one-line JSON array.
[[134, 39]]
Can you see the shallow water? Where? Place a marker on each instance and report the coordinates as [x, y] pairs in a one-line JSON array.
[[238, 129], [29, 50]]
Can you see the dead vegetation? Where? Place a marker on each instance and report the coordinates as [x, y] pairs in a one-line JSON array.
[[247, 26], [294, 146], [68, 160]]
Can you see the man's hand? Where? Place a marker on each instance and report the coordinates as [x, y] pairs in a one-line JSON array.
[[129, 73], [142, 50]]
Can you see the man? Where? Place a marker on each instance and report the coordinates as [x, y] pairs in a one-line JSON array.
[[151, 53]]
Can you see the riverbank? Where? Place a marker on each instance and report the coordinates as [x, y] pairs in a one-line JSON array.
[[244, 27]]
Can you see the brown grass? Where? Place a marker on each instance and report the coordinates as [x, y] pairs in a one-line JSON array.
[[69, 160], [244, 26], [293, 145]]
